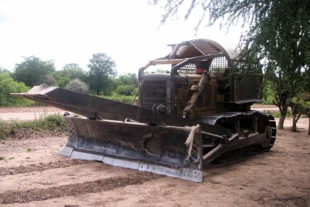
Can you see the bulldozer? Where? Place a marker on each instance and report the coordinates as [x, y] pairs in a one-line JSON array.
[[195, 112]]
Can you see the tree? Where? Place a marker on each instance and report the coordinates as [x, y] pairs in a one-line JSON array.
[[77, 85], [49, 80], [70, 72], [277, 36], [128, 79], [101, 69], [3, 70], [7, 86], [75, 71], [126, 84], [32, 70]]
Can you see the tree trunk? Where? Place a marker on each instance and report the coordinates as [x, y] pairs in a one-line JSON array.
[[295, 120], [282, 117], [309, 127]]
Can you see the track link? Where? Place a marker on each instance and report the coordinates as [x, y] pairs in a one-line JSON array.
[[243, 123]]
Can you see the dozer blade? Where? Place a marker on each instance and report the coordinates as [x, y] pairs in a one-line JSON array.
[[87, 105], [157, 149]]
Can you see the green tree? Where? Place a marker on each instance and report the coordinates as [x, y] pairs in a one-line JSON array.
[[77, 85], [75, 71], [101, 69], [128, 79], [3, 70], [32, 70], [277, 35], [49, 80], [7, 86], [62, 77]]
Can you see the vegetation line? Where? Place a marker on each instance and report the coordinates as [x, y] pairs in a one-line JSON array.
[[54, 123]]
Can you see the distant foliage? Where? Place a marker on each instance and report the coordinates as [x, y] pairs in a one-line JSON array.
[[7, 86], [49, 80], [126, 90], [120, 98], [32, 71], [101, 69], [126, 84], [77, 85], [75, 72], [3, 70], [62, 78], [127, 79], [54, 123]]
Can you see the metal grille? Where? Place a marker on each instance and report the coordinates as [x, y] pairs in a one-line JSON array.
[[153, 92], [205, 46], [218, 66], [190, 49], [71, 129], [189, 68]]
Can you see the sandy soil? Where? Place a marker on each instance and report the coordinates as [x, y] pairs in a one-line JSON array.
[[32, 174], [28, 113]]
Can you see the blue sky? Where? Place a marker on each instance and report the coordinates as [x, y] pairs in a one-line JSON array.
[[70, 31]]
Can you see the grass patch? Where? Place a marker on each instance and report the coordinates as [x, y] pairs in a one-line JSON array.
[[2, 158], [120, 98], [277, 114], [55, 123], [29, 150]]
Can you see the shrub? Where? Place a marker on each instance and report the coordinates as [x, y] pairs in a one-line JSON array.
[[77, 85], [7, 86], [125, 90], [55, 123]]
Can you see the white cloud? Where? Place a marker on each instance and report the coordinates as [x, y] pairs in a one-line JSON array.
[[72, 30]]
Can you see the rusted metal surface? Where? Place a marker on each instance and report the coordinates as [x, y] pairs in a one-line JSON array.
[[162, 145]]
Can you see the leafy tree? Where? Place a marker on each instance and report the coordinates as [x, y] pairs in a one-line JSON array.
[[128, 79], [277, 35], [7, 86], [62, 77], [49, 80], [3, 70], [126, 84], [101, 69], [32, 70], [126, 90], [75, 71], [77, 85]]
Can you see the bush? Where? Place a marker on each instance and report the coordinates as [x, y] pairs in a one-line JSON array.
[[120, 98], [125, 90], [55, 123], [7, 86], [77, 85]]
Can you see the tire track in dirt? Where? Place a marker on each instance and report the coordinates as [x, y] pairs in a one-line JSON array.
[[39, 167], [77, 189]]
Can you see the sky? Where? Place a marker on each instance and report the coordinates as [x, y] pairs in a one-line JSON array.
[[70, 31]]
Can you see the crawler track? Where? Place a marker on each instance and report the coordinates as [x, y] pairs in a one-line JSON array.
[[242, 122]]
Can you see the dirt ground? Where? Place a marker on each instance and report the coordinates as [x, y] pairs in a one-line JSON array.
[[32, 174]]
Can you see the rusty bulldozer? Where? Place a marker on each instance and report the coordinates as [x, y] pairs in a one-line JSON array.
[[183, 118]]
